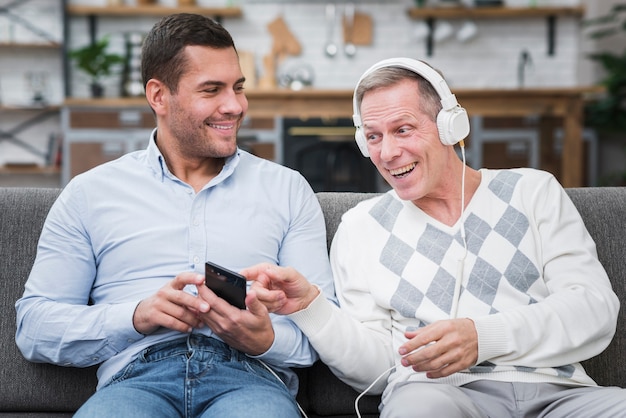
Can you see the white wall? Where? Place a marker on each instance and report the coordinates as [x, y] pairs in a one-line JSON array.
[[488, 60]]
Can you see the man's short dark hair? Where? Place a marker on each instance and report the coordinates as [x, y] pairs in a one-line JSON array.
[[162, 56]]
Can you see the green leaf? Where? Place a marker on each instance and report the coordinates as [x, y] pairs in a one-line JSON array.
[[94, 59]]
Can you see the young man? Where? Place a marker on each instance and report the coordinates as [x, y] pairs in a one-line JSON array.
[[119, 274], [475, 293]]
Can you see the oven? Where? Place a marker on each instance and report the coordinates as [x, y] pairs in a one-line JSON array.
[[325, 152]]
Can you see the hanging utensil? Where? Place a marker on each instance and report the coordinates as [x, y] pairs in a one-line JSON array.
[[349, 47], [330, 48]]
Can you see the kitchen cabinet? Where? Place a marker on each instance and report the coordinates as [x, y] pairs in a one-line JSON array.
[[430, 15], [564, 104], [550, 104], [100, 130], [96, 131]]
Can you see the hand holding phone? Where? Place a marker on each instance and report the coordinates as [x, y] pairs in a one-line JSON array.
[[226, 284]]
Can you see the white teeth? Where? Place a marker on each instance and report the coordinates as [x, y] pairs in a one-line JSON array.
[[402, 170], [221, 126]]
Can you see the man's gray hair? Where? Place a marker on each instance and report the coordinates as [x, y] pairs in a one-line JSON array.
[[430, 102]]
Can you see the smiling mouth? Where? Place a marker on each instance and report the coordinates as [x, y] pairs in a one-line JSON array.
[[222, 127], [402, 171]]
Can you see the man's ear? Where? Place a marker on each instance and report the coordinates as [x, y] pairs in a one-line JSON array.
[[156, 94]]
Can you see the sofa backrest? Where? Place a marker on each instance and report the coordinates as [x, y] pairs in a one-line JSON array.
[[603, 210], [26, 386]]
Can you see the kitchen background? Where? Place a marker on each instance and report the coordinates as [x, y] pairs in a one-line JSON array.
[[484, 53]]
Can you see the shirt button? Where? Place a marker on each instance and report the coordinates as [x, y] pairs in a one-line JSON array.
[[196, 222], [196, 259]]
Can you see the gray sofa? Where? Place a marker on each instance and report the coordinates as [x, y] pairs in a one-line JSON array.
[[39, 390]]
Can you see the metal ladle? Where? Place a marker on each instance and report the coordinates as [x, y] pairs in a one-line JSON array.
[[331, 48], [349, 48]]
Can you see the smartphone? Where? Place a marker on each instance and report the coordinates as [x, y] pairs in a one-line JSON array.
[[226, 284]]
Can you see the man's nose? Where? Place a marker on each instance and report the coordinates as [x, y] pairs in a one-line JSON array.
[[233, 103], [389, 148]]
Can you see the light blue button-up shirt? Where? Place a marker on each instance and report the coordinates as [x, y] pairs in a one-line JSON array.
[[120, 231]]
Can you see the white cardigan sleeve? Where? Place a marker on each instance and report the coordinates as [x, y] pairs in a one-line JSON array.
[[354, 340]]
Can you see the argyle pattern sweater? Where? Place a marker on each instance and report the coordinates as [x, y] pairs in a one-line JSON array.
[[530, 280]]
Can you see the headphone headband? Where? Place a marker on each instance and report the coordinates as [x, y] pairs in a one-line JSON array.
[[452, 120], [448, 100]]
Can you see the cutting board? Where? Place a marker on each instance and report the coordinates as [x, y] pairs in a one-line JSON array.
[[362, 32], [248, 67], [284, 40]]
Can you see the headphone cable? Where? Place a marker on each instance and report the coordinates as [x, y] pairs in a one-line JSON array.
[[459, 278], [358, 398], [461, 261]]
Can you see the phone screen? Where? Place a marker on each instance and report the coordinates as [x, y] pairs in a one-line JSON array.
[[226, 284]]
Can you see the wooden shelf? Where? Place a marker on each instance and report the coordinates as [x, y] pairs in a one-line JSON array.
[[19, 108], [153, 10], [30, 45], [13, 168], [106, 102], [493, 12], [312, 102], [430, 14]]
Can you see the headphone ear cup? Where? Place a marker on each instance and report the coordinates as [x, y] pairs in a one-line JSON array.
[[453, 125], [359, 136]]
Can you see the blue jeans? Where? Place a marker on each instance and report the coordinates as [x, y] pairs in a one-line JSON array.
[[196, 376]]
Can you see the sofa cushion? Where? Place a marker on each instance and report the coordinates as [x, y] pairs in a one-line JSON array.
[[329, 397]]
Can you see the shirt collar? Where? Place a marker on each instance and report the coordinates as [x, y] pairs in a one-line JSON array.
[[157, 162]]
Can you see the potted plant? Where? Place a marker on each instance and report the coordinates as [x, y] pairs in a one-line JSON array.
[[607, 113], [94, 60]]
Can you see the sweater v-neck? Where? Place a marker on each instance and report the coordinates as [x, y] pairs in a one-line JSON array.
[[414, 209]]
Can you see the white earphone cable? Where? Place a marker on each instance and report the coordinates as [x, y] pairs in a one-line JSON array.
[[281, 381], [461, 261], [358, 398]]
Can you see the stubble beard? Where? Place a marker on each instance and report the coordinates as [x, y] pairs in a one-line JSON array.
[[195, 140]]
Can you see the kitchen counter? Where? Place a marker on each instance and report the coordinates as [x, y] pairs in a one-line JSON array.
[[545, 103]]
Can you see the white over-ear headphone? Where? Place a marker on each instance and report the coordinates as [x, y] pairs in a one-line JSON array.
[[452, 121]]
